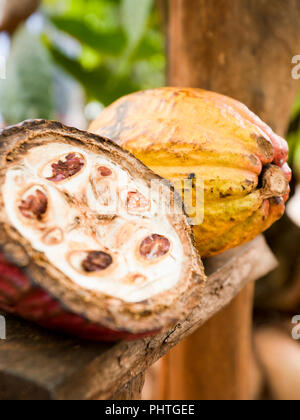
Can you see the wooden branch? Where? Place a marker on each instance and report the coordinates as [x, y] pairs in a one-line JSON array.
[[36, 363], [132, 390]]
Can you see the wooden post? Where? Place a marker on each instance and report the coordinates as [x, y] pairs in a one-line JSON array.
[[243, 49], [211, 363]]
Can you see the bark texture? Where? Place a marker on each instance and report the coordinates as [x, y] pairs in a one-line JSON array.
[[132, 390]]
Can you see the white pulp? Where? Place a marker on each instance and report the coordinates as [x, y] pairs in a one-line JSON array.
[[120, 237]]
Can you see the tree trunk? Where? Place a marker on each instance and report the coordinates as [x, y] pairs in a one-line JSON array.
[[244, 49]]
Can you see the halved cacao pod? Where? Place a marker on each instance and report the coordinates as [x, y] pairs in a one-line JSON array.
[[192, 134], [86, 245]]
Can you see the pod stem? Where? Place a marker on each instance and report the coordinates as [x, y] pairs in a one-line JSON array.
[[274, 182]]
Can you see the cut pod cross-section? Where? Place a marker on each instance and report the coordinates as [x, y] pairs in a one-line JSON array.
[[105, 260]]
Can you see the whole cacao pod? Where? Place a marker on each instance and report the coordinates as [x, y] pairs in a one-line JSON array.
[[192, 134]]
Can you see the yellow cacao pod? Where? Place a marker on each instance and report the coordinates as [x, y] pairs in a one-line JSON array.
[[193, 134]]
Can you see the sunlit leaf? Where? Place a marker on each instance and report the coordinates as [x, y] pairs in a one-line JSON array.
[[100, 84], [296, 107], [148, 47], [109, 43], [122, 46]]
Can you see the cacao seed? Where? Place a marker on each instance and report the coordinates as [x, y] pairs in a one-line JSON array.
[[104, 171], [66, 169], [155, 246], [97, 261], [34, 206]]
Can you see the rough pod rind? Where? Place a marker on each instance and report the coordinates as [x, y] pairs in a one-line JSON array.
[[69, 264], [183, 133]]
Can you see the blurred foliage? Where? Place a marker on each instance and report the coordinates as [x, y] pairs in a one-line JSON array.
[[28, 90], [120, 45], [293, 138]]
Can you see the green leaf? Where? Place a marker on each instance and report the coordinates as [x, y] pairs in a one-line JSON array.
[[134, 18], [28, 91], [122, 45], [100, 84], [112, 43], [295, 156], [91, 80], [296, 107], [148, 48]]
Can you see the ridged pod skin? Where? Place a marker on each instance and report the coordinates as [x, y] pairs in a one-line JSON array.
[[69, 265], [183, 133]]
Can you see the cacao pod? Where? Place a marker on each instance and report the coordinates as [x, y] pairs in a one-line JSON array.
[[85, 248], [183, 133]]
